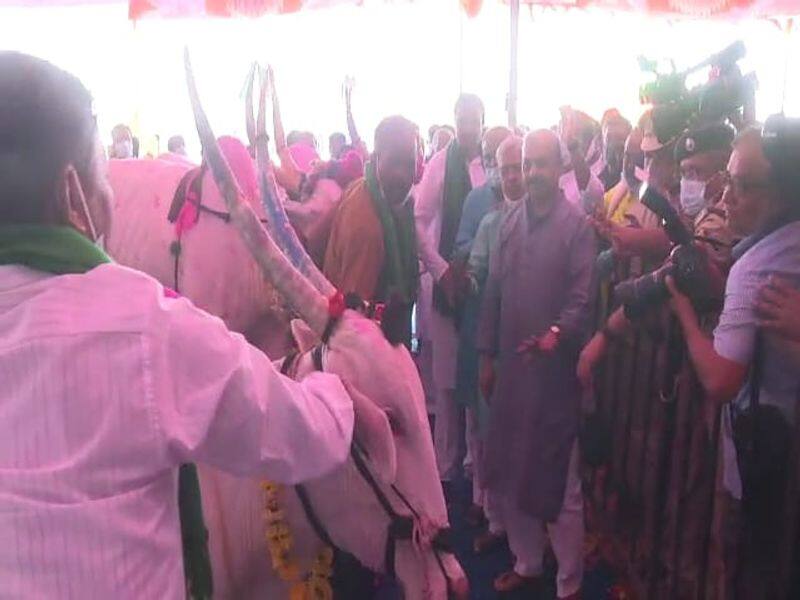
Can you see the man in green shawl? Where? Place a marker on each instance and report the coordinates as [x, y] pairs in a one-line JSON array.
[[449, 176], [110, 383], [372, 250]]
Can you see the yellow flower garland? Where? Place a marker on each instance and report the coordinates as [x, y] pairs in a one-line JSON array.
[[316, 585]]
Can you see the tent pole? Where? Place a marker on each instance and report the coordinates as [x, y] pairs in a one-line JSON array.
[[512, 79]]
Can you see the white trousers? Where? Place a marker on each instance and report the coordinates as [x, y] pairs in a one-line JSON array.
[[448, 432], [527, 537]]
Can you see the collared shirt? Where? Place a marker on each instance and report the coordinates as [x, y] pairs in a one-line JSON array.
[[479, 203], [486, 239], [107, 387], [735, 336]]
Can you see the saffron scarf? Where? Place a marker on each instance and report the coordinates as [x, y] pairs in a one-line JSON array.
[[63, 251]]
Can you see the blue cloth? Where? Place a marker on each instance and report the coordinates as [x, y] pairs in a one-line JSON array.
[[478, 203]]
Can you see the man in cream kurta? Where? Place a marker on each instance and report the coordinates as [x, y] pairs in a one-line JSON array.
[[435, 223]]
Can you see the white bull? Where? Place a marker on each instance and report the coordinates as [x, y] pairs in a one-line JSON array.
[[218, 273]]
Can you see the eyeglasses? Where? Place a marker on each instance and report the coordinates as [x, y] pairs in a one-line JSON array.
[[741, 186]]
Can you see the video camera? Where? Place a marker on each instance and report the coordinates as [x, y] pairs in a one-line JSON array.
[[676, 107], [687, 264]]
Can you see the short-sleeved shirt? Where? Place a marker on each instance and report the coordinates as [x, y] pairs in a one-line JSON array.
[[735, 336]]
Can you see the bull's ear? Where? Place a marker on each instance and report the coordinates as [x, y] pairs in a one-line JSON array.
[[303, 336], [374, 435]]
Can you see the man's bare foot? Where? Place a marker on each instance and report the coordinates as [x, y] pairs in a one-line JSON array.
[[511, 581], [487, 541]]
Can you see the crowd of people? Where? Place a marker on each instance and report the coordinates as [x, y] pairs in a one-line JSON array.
[[485, 250]]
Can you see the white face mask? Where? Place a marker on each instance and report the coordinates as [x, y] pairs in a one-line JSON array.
[[693, 198], [123, 149]]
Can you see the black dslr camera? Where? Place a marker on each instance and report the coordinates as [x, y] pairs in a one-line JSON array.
[[687, 264]]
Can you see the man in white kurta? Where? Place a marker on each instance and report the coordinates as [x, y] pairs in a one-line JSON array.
[[430, 213], [109, 384]]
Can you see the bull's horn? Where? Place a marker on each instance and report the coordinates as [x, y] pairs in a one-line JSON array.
[[309, 303], [248, 107], [277, 220]]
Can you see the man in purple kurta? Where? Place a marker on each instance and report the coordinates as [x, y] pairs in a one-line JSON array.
[[536, 315]]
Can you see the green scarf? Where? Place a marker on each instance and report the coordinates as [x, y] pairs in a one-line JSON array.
[[457, 185], [58, 250], [62, 251], [400, 274]]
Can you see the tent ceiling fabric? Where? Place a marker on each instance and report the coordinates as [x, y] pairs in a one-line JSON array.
[[688, 8], [254, 8]]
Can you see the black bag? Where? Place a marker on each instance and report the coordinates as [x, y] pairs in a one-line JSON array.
[[763, 440]]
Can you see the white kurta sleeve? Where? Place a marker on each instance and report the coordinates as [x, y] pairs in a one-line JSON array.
[[427, 207], [218, 400]]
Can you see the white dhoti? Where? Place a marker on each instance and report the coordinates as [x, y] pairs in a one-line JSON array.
[[527, 537], [448, 434]]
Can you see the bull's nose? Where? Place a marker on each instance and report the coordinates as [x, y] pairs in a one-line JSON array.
[[460, 588]]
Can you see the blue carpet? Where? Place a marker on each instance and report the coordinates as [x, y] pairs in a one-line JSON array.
[[482, 569]]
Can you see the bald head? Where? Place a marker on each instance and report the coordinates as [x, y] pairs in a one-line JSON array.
[[543, 139], [510, 151], [395, 158], [509, 161], [542, 164], [392, 131], [491, 142]]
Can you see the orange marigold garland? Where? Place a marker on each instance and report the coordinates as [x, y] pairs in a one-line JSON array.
[[316, 584]]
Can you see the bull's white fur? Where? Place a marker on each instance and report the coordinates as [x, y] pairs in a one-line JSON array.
[[358, 352]]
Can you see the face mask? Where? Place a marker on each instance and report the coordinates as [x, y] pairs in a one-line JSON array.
[[493, 177], [123, 149], [693, 198]]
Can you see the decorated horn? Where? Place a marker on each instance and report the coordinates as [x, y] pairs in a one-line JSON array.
[[308, 302], [248, 107], [278, 223]]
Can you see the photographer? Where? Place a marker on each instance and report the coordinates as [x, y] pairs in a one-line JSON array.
[[640, 237], [702, 154], [744, 363], [761, 208]]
